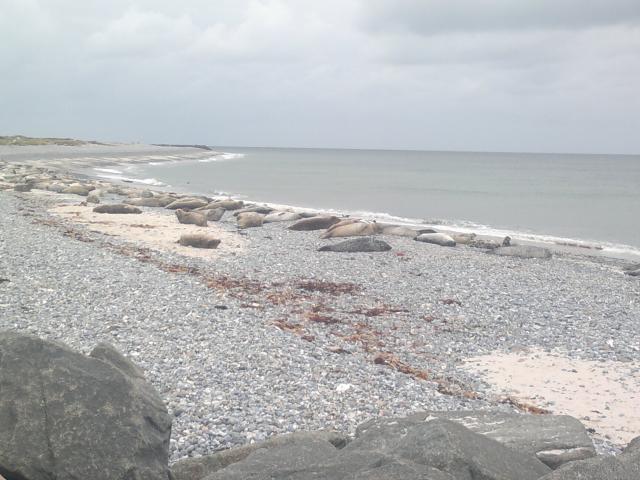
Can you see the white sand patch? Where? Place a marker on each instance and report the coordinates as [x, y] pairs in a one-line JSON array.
[[603, 395], [152, 230]]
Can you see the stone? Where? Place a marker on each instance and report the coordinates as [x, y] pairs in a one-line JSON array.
[[23, 187], [117, 208], [199, 467], [281, 217], [554, 439], [156, 202], [625, 466], [191, 218], [441, 239], [314, 223], [214, 214], [186, 204], [198, 240], [68, 416], [523, 251], [449, 447], [366, 244], [250, 220]]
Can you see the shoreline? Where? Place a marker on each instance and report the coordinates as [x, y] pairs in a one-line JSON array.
[[337, 337]]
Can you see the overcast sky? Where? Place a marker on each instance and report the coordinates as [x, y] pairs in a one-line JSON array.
[[490, 75]]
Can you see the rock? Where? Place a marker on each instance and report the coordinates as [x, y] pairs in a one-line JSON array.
[[449, 447], [23, 187], [92, 198], [314, 223], [117, 208], [191, 218], [281, 217], [522, 251], [199, 467], [351, 228], [368, 244], [198, 240], [186, 204], [214, 214], [162, 201], [463, 238], [554, 439], [249, 220], [78, 189], [227, 204], [437, 238], [67, 416]]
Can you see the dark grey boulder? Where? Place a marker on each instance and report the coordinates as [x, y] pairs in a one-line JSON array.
[[449, 447], [118, 208], [366, 244], [199, 467], [314, 223], [523, 251], [554, 439], [66, 416]]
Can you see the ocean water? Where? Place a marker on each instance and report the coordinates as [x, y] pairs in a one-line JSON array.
[[593, 198]]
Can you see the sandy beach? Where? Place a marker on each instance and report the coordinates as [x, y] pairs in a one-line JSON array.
[[266, 334]]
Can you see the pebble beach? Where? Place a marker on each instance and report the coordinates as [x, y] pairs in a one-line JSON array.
[[268, 335]]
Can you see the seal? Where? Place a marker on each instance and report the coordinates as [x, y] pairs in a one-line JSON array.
[[437, 238], [191, 218], [281, 217], [463, 238], [198, 240], [186, 204], [250, 219], [351, 229], [117, 208], [314, 223]]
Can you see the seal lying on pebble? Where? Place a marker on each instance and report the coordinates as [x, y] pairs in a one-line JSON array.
[[463, 238], [186, 204], [250, 219], [214, 214], [403, 231], [437, 238], [314, 223], [351, 228], [191, 218], [150, 202], [254, 208], [368, 244], [228, 204], [198, 240], [118, 208], [488, 244], [281, 217]]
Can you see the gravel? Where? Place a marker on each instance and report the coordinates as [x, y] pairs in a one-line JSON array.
[[237, 362]]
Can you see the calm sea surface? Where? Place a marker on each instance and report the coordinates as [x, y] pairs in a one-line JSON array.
[[586, 197]]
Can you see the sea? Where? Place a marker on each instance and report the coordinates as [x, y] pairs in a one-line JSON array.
[[587, 199]]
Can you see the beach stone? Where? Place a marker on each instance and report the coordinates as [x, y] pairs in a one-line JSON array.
[[198, 240], [92, 198], [186, 204], [554, 439], [249, 220], [78, 189], [199, 467], [117, 208], [437, 238], [314, 223], [449, 447], [23, 187], [161, 201], [281, 217], [191, 218], [68, 416], [351, 228], [368, 244], [214, 214], [523, 251]]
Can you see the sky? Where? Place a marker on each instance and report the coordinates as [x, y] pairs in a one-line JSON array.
[[478, 75]]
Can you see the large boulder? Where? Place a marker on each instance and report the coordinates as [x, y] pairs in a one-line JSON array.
[[554, 439], [67, 416], [186, 204], [625, 466], [365, 244], [523, 251], [441, 239], [199, 467]]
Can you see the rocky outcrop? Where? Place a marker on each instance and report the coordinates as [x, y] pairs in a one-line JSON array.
[[67, 416], [367, 244], [118, 208]]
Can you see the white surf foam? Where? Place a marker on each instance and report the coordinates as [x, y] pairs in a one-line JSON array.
[[108, 170], [143, 181]]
